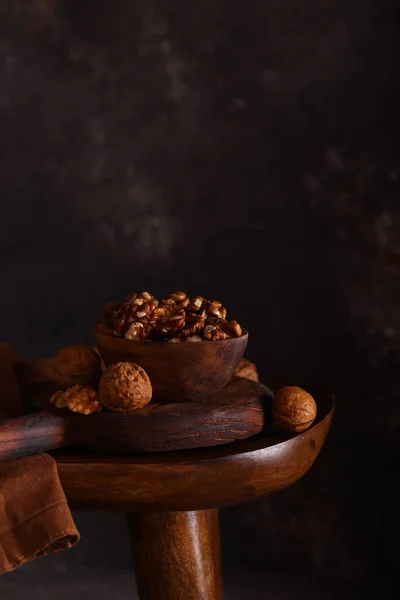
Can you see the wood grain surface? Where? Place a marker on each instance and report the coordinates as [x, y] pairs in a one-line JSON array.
[[173, 555], [235, 413], [213, 525], [196, 479], [31, 434]]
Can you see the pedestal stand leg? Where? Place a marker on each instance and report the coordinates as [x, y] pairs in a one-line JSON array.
[[213, 522], [173, 555]]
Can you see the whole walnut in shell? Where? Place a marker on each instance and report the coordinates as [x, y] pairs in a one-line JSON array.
[[124, 387], [293, 409], [76, 365]]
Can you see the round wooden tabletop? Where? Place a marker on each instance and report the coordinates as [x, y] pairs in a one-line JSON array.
[[195, 479]]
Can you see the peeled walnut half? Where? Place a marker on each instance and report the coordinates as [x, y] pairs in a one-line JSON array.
[[81, 399], [232, 328], [214, 333]]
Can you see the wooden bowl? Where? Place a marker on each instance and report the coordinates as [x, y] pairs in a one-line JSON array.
[[189, 371]]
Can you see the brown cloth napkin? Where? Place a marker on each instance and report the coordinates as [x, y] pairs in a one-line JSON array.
[[34, 515]]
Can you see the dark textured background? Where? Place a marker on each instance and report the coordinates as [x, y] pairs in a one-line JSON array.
[[245, 151]]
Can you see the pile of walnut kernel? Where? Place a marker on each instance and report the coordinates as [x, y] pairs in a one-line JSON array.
[[177, 318]]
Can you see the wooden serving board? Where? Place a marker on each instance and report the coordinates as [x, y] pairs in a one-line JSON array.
[[236, 413]]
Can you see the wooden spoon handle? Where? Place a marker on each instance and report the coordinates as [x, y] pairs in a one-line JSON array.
[[31, 434]]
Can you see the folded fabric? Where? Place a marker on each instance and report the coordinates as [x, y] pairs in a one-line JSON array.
[[34, 516]]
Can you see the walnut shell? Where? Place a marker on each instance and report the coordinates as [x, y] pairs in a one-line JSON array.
[[124, 387], [76, 365], [293, 409], [247, 369]]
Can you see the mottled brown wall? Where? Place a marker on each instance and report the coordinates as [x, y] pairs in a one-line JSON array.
[[248, 151]]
